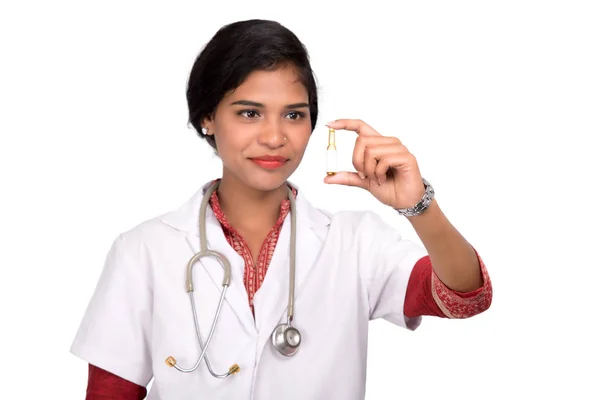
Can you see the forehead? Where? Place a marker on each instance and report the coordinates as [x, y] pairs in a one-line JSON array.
[[280, 85]]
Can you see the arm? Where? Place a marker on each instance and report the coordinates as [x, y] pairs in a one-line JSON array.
[[114, 335], [105, 385], [454, 261], [426, 294], [386, 169]]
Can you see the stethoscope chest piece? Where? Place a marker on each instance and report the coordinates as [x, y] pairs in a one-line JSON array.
[[286, 339]]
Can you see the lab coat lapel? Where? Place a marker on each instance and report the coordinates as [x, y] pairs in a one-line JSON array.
[[236, 295], [271, 300], [186, 219]]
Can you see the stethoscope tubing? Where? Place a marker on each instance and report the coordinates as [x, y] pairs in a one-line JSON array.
[[204, 252]]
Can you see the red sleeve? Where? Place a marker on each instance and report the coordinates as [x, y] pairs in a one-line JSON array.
[[426, 294], [103, 385]]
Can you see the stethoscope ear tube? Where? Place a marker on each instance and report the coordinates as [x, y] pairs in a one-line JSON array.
[[285, 337], [204, 252], [208, 253]]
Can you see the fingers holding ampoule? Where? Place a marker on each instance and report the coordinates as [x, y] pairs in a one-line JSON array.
[[355, 125], [384, 166], [369, 150]]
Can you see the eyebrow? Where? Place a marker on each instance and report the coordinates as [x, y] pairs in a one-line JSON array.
[[260, 105]]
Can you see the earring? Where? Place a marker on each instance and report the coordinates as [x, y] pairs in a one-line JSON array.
[[204, 131], [285, 138]]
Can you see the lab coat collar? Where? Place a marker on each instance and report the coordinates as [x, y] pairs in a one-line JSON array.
[[270, 303]]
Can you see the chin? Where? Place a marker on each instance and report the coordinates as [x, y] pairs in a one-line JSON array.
[[268, 184], [261, 179], [265, 181]]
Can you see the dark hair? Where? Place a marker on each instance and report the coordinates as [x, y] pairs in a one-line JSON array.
[[234, 52]]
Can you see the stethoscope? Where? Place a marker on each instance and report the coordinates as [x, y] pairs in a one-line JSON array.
[[285, 338]]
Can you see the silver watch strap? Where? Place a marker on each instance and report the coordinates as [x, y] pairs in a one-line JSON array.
[[422, 205]]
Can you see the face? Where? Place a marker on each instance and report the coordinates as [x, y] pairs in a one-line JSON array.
[[262, 128]]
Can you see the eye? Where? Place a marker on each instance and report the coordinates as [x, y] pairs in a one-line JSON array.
[[295, 115], [249, 113]]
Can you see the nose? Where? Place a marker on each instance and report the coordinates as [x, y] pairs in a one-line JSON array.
[[272, 134]]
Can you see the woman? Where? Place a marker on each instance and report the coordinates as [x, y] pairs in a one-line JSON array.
[[252, 96]]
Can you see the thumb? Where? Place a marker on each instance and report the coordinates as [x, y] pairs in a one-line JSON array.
[[347, 179]]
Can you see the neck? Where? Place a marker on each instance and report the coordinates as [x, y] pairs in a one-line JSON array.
[[249, 208]]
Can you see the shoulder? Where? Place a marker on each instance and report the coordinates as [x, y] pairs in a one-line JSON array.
[[360, 221], [147, 231], [169, 224], [132, 249], [157, 231], [362, 227], [347, 222]]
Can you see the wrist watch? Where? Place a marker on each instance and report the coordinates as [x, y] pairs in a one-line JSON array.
[[422, 205]]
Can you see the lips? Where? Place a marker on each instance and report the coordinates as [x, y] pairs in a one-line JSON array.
[[269, 162], [270, 158]]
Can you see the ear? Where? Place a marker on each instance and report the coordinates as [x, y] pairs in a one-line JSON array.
[[209, 124]]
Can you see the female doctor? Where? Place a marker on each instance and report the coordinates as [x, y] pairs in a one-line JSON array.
[[294, 287]]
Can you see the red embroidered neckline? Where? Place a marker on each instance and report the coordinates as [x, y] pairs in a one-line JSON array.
[[254, 275]]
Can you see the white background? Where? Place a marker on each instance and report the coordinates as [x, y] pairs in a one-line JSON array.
[[499, 101]]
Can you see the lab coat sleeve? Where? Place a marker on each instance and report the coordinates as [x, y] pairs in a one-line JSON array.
[[386, 261], [115, 332]]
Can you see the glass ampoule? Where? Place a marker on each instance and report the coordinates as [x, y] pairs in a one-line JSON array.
[[331, 153]]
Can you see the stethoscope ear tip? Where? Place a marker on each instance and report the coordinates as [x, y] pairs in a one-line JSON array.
[[234, 369], [171, 362]]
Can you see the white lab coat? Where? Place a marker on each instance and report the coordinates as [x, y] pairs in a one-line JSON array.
[[351, 267]]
